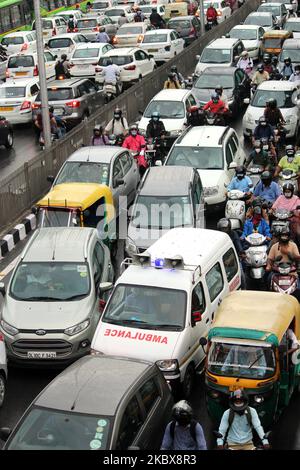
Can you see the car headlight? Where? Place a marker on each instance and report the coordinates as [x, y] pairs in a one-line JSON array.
[[290, 119], [130, 246], [211, 190], [250, 119], [259, 399], [11, 330], [175, 133], [73, 330], [168, 365]]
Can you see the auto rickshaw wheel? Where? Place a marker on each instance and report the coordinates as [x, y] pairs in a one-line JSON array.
[[188, 381]]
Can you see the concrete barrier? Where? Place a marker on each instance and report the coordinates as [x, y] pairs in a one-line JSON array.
[[28, 183]]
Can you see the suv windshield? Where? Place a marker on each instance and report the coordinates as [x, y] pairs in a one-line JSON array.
[[20, 61], [85, 53], [146, 307], [84, 172], [44, 429], [210, 80], [284, 98], [244, 34], [50, 281], [240, 360], [12, 92], [259, 20], [117, 60], [215, 56], [166, 109], [86, 23], [293, 54], [153, 38], [202, 158], [59, 42], [292, 26], [271, 8], [157, 212]]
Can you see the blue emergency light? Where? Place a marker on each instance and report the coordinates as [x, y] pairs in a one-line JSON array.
[[159, 263]]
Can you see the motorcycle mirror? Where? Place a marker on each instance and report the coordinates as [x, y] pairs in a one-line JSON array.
[[203, 341], [246, 100]]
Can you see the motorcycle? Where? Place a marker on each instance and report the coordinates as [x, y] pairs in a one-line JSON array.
[[235, 209], [284, 280], [210, 23], [256, 258], [269, 147], [154, 151], [254, 172], [282, 220], [288, 176], [116, 140], [213, 119]]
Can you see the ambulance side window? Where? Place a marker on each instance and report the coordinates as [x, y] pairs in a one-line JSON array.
[[130, 425], [215, 282], [230, 264], [198, 299]]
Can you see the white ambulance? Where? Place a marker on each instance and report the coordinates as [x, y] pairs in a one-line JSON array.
[[166, 300]]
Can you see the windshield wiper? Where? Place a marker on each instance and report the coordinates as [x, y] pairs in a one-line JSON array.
[[257, 359], [77, 296], [43, 298], [165, 325]]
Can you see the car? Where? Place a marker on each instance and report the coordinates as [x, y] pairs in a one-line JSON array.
[[73, 99], [223, 10], [20, 41], [3, 370], [6, 139], [26, 65], [65, 43], [17, 98], [287, 95], [188, 27], [99, 6], [114, 13], [163, 44], [109, 27], [235, 82], [251, 35], [288, 4], [134, 64], [291, 49], [224, 52], [67, 14], [104, 403], [85, 58], [147, 10], [51, 305], [172, 106], [168, 197], [293, 25], [104, 165], [277, 9], [265, 19], [130, 34], [88, 26], [52, 26], [210, 149]]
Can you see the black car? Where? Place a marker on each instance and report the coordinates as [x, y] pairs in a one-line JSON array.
[[235, 82], [6, 133], [188, 27]]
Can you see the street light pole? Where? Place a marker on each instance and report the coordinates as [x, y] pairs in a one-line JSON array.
[[42, 74], [201, 16]]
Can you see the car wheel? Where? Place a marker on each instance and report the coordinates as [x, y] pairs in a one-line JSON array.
[[2, 389], [188, 381], [9, 140], [140, 78]]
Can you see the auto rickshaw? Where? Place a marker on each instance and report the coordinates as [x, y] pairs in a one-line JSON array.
[[248, 348], [273, 40], [79, 205], [173, 10]]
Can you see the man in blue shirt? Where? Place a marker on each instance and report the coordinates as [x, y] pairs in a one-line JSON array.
[[267, 189], [263, 130], [102, 36], [240, 181]]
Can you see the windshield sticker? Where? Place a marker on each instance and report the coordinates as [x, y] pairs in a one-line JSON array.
[[95, 444], [102, 423], [83, 274], [136, 336], [81, 269]]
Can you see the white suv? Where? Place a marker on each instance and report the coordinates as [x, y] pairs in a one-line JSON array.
[[210, 149], [223, 51]]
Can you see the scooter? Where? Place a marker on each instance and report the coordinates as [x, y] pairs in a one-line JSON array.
[[256, 258], [235, 209], [282, 220], [109, 91], [288, 176], [254, 172], [213, 119], [284, 280]]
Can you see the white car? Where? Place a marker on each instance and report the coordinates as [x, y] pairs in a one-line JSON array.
[[52, 26], [130, 35], [99, 7], [287, 95], [293, 25], [89, 26], [3, 369], [20, 41], [147, 10], [85, 58], [277, 9], [162, 44], [67, 14], [133, 62], [265, 19], [251, 35], [223, 52], [22, 66], [65, 43], [16, 99], [114, 13], [223, 10]]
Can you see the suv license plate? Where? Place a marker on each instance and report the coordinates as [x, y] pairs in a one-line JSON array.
[[284, 282], [41, 355]]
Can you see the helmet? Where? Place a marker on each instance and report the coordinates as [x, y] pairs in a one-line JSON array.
[[97, 129], [182, 412], [51, 109], [262, 120], [172, 76], [244, 54], [174, 68], [154, 10], [266, 177], [155, 115], [238, 400], [287, 59], [256, 202], [290, 150], [240, 170], [219, 89], [117, 113], [260, 67], [274, 60], [215, 97], [272, 103], [224, 225], [267, 58], [297, 67], [63, 56], [284, 235], [288, 188]]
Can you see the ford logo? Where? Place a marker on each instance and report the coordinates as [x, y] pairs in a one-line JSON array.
[[40, 332]]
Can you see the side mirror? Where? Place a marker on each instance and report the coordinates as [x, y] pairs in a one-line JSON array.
[[203, 341], [2, 288], [197, 57], [119, 181], [246, 100], [196, 317], [130, 212], [5, 433], [50, 178], [105, 287], [55, 57], [150, 56], [298, 103]]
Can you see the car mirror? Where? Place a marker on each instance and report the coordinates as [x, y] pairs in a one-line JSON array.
[[55, 57], [150, 56], [298, 103], [105, 287], [2, 288], [50, 178], [34, 210], [217, 434], [5, 433], [246, 100], [196, 317], [197, 57]]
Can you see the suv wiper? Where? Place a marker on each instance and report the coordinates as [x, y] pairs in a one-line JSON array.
[[165, 325], [73, 297], [43, 298]]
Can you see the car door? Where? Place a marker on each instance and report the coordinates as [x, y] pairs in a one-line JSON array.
[[97, 276], [117, 174], [196, 25], [179, 42], [49, 64], [231, 268], [128, 425], [198, 202], [30, 38], [130, 177], [216, 287], [142, 64], [200, 319]]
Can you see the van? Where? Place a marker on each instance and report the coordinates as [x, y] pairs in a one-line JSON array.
[[52, 27], [166, 300], [168, 197], [176, 9]]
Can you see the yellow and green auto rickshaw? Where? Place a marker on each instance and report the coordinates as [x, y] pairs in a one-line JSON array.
[[273, 40], [248, 347], [79, 205]]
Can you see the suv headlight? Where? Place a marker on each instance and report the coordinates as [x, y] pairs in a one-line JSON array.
[[168, 365], [249, 118], [211, 190], [175, 133], [73, 330], [11, 330], [130, 246]]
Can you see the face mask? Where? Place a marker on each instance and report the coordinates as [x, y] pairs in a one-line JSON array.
[[284, 239], [117, 116], [290, 158], [240, 177], [215, 101], [288, 194], [257, 150], [263, 124], [155, 119], [134, 133]]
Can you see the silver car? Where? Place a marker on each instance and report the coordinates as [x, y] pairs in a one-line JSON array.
[[113, 166], [51, 306]]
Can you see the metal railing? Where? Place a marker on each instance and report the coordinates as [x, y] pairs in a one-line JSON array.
[[28, 183]]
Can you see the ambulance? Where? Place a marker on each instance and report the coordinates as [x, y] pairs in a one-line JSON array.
[[165, 300]]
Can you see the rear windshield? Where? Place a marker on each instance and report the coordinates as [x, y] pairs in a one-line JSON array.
[[12, 40], [100, 5], [86, 23], [179, 24], [152, 38], [85, 53], [131, 30], [58, 94], [117, 60], [259, 20], [59, 42], [114, 12], [293, 54], [46, 24], [271, 8], [21, 61], [12, 92]]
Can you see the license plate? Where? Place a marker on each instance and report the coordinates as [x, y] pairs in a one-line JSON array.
[[152, 50], [6, 108], [83, 66], [41, 355], [21, 74], [284, 282]]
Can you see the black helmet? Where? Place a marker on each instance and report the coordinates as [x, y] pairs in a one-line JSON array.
[[274, 60], [288, 187], [63, 57], [51, 109], [297, 67], [219, 89], [182, 412], [262, 120], [224, 225], [117, 113], [238, 400], [240, 170], [266, 177], [290, 150], [287, 59], [272, 103], [172, 76], [267, 58], [284, 235], [260, 67], [155, 115], [174, 68]]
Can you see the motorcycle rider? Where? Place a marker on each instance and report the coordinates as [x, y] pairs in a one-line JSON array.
[[195, 116], [62, 67], [134, 141], [72, 24], [216, 106], [291, 12], [258, 156], [289, 202], [285, 248], [179, 76], [295, 77], [255, 222], [237, 423], [102, 36], [241, 182], [219, 90], [267, 61], [172, 83], [111, 73], [139, 16], [184, 432], [263, 130], [290, 161], [275, 74], [156, 20], [267, 189], [118, 125], [224, 225], [287, 69], [260, 75], [99, 138], [38, 123], [245, 63], [122, 20], [60, 123], [212, 14], [155, 128]]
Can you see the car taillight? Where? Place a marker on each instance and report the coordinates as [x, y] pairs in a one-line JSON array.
[[219, 13], [130, 67], [73, 104], [71, 64], [96, 28], [140, 38], [95, 63], [192, 32], [75, 30], [167, 48], [35, 71], [35, 106], [54, 32], [7, 73], [98, 69], [115, 40], [1, 337], [24, 46], [26, 105]]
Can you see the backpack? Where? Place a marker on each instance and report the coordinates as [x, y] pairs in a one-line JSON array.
[[231, 418], [59, 68], [192, 429], [71, 24]]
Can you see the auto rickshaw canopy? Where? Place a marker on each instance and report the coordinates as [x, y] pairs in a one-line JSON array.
[[263, 316], [278, 33]]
